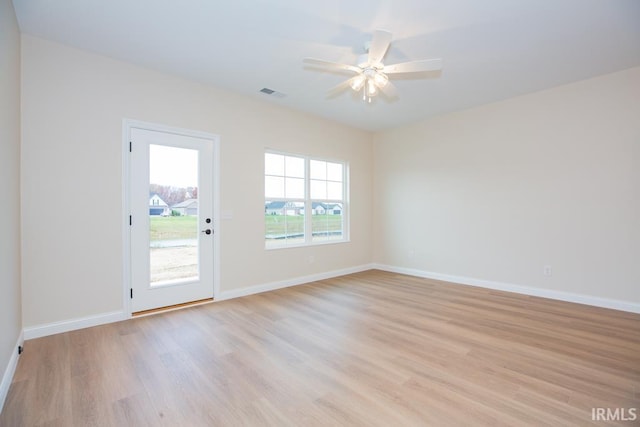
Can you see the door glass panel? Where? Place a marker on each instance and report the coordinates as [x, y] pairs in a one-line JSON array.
[[173, 214]]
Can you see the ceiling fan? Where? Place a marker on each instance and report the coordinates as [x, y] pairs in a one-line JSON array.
[[371, 75]]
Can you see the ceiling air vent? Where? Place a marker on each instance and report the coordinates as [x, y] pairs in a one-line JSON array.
[[272, 92]]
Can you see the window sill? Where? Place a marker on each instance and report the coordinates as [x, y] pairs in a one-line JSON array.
[[307, 245]]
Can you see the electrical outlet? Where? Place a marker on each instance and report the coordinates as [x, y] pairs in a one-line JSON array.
[[411, 253], [311, 259], [547, 271]]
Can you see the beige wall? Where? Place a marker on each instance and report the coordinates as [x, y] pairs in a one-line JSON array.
[[496, 192], [10, 305], [74, 103], [491, 193]]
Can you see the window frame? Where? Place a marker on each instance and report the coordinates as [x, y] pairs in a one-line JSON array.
[[308, 201]]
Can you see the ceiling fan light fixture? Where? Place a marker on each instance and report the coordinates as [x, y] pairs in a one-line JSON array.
[[357, 82], [380, 79], [371, 88]]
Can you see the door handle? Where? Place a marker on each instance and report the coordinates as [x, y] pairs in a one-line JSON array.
[[207, 231]]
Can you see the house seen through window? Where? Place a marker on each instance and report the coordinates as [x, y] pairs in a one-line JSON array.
[[305, 200]]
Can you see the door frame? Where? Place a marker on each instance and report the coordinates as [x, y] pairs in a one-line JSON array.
[[127, 125]]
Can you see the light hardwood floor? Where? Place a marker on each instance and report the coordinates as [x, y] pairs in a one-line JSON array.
[[370, 349]]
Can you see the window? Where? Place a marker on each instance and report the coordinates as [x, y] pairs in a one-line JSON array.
[[305, 200]]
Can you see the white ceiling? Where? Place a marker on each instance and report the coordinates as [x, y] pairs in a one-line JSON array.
[[492, 49]]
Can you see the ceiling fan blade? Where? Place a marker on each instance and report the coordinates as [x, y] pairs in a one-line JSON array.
[[379, 45], [414, 66], [389, 90], [332, 65]]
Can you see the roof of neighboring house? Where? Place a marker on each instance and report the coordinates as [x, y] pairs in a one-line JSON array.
[[189, 203], [326, 205], [275, 205]]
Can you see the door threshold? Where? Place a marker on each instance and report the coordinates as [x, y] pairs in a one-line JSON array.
[[171, 307]]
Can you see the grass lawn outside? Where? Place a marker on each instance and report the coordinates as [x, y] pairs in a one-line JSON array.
[[276, 226], [173, 227]]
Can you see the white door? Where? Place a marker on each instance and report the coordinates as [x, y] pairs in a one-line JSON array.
[[171, 204]]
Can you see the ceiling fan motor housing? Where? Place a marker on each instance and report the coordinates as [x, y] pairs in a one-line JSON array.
[[363, 62]]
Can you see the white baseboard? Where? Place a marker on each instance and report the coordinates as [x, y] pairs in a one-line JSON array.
[[250, 290], [10, 371], [116, 316], [73, 324], [525, 290]]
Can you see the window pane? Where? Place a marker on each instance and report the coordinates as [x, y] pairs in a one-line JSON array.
[[318, 169], [334, 171], [273, 187], [295, 188], [334, 190], [284, 223], [326, 224], [294, 167], [319, 225], [318, 189], [273, 164], [294, 183]]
